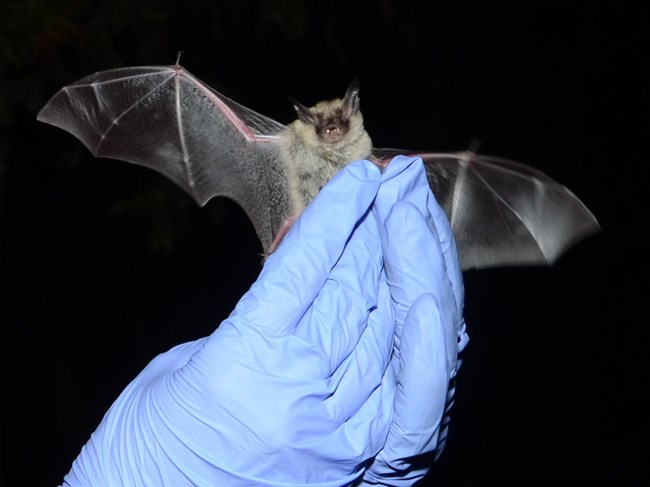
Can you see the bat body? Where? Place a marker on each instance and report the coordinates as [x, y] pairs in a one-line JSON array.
[[320, 142], [502, 212]]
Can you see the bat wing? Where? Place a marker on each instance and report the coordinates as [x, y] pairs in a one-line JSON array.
[[503, 213], [166, 119]]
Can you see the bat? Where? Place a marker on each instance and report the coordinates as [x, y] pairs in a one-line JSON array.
[[502, 213]]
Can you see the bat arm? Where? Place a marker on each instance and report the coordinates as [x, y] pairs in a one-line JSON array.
[[464, 159], [181, 130], [237, 122], [460, 180], [286, 226], [96, 150]]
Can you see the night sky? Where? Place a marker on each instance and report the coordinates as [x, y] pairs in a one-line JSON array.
[[105, 264]]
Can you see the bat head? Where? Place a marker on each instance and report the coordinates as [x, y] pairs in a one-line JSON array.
[[332, 120]]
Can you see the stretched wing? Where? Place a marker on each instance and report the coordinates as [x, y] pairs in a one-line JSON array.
[[164, 118], [503, 212]]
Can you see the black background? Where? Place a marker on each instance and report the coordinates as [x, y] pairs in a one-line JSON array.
[[106, 264]]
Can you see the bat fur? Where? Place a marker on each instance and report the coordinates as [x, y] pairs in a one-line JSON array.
[[320, 142]]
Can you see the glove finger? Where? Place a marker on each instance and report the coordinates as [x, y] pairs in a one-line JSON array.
[[352, 408], [419, 402], [350, 324], [411, 184], [355, 379], [438, 222], [334, 323], [295, 273], [426, 348], [415, 265]]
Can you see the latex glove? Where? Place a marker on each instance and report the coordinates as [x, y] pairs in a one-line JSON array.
[[427, 290], [297, 386]]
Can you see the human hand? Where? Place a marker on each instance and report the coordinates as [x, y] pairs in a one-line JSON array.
[[426, 286], [301, 384]]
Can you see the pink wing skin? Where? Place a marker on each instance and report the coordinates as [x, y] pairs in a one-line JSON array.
[[219, 101], [502, 212], [165, 118]]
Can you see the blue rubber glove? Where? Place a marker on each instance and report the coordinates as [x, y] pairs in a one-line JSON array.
[[426, 286], [332, 368]]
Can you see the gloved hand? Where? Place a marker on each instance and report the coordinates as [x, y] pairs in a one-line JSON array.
[[332, 369], [425, 281]]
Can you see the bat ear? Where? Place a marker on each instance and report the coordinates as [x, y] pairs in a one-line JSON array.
[[351, 100], [304, 114]]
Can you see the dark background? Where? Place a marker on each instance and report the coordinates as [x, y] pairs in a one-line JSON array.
[[105, 264]]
